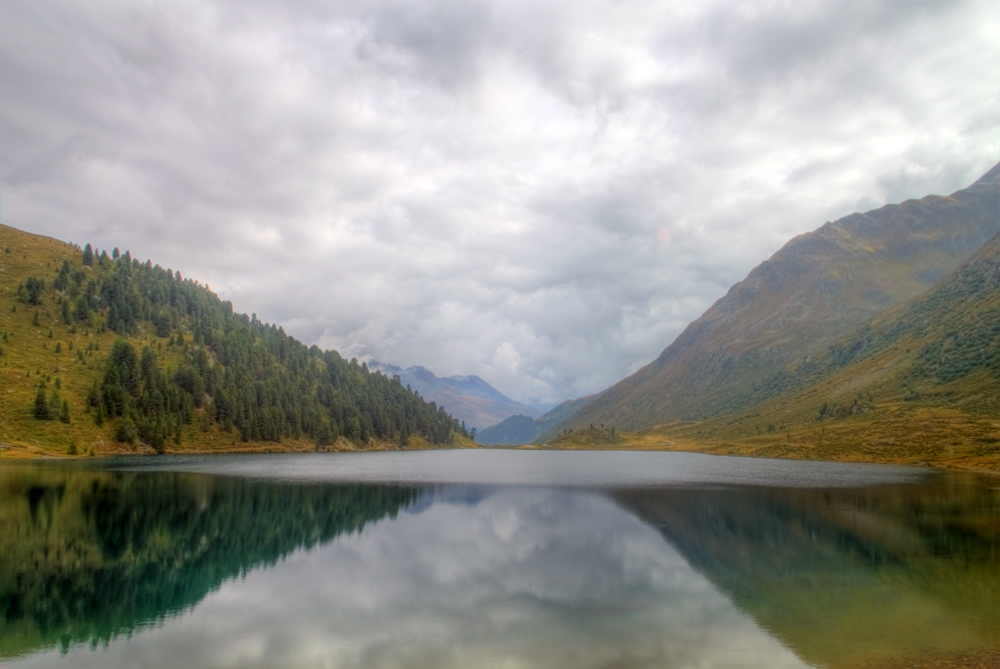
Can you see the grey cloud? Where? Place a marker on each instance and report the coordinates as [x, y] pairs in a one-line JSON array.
[[444, 39]]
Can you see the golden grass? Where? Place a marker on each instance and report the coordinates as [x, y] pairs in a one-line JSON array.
[[898, 433]]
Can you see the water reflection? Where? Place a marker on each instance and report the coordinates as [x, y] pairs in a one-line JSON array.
[[90, 555], [165, 569], [847, 576]]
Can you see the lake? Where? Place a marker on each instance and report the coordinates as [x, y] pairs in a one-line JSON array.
[[495, 558]]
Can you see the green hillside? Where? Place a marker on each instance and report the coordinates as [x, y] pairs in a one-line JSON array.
[[818, 287], [918, 383], [103, 354]]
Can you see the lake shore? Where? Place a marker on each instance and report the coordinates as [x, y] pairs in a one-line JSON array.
[[982, 464]]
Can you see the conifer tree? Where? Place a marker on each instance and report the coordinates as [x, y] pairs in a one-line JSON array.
[[40, 407]]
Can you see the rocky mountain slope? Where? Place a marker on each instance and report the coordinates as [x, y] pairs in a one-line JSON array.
[[818, 287], [468, 398]]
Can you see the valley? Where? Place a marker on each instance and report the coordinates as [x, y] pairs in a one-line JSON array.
[[872, 339]]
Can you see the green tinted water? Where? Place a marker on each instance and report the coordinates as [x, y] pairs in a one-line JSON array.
[[526, 559]]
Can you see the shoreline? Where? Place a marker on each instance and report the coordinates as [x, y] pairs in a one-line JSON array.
[[944, 466]]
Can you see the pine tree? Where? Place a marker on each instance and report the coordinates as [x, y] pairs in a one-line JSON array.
[[40, 407], [32, 290]]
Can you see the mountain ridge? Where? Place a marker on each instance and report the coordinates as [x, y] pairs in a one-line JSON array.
[[919, 382], [816, 287], [522, 429], [468, 398]]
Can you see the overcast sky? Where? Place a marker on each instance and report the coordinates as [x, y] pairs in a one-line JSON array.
[[541, 193]]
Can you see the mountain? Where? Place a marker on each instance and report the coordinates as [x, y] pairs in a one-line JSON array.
[[518, 429], [110, 354], [919, 382], [468, 398], [522, 429], [819, 286]]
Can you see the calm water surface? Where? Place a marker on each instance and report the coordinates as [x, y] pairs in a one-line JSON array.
[[494, 559]]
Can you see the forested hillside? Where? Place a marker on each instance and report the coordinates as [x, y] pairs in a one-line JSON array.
[[100, 349]]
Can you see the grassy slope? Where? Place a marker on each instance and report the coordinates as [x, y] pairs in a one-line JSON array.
[[818, 287], [28, 355], [922, 387]]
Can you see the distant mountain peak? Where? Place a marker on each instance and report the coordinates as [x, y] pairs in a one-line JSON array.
[[468, 398]]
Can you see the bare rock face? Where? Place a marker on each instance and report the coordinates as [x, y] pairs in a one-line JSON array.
[[814, 289]]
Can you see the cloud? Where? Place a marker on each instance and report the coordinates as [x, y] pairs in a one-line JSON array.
[[543, 194]]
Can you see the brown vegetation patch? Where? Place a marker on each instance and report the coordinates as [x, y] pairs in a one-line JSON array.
[[985, 659]]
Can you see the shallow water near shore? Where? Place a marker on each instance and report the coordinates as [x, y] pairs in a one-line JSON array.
[[494, 558]]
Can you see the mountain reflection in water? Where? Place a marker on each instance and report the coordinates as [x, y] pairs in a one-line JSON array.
[[847, 576], [163, 569]]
